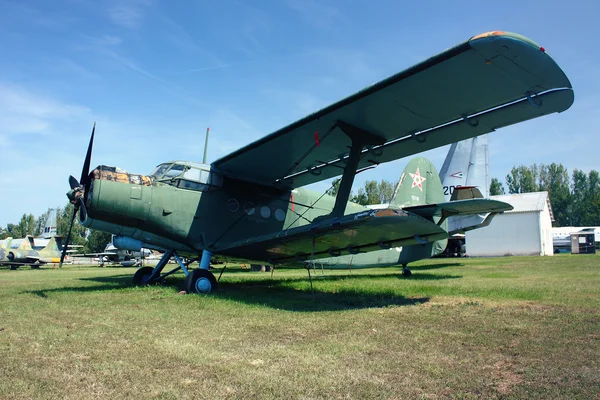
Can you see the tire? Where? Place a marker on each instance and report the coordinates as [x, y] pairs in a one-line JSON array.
[[200, 281], [140, 278]]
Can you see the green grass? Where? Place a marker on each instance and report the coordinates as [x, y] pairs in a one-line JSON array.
[[516, 327]]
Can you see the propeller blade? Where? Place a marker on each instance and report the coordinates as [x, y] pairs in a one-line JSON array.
[[82, 210], [73, 182], [66, 244], [88, 158]]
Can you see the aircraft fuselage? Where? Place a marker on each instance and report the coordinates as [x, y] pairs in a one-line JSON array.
[[190, 216]]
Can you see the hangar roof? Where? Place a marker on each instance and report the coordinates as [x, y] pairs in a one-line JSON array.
[[525, 202]]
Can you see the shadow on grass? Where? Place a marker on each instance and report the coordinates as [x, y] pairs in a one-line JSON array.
[[288, 293], [434, 266], [276, 294]]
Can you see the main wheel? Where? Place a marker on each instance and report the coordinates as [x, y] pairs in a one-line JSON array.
[[141, 276], [200, 281], [406, 272]]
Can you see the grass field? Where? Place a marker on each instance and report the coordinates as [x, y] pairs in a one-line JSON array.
[[518, 327]]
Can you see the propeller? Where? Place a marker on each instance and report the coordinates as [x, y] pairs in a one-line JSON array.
[[76, 194]]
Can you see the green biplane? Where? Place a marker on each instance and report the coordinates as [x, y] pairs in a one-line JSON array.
[[251, 205]]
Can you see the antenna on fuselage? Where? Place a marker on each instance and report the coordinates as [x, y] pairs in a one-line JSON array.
[[205, 145]]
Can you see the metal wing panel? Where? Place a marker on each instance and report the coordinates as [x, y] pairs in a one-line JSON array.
[[479, 75], [364, 231], [554, 101]]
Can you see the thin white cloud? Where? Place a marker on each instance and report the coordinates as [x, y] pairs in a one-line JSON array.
[[170, 87], [128, 13], [298, 102], [318, 14], [182, 39], [25, 111]]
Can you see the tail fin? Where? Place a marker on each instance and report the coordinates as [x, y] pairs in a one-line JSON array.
[[50, 225], [467, 165], [419, 184], [54, 245]]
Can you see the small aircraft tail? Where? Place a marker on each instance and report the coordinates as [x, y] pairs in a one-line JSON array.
[[419, 184], [54, 244], [50, 225], [466, 164]]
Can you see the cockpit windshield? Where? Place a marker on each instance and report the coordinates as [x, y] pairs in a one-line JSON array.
[[188, 175], [158, 171], [174, 171]]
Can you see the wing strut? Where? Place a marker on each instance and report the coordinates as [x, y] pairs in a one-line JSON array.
[[360, 138]]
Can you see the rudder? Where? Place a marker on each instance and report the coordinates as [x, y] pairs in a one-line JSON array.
[[419, 184]]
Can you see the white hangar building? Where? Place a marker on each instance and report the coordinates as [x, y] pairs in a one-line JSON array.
[[524, 231]]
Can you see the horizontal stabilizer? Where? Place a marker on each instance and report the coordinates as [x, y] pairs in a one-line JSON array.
[[459, 207], [364, 231], [472, 222]]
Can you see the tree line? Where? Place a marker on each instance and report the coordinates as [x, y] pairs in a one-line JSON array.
[[93, 241], [574, 201], [372, 192]]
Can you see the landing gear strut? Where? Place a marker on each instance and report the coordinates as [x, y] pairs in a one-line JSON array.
[[405, 271], [201, 280], [198, 281]]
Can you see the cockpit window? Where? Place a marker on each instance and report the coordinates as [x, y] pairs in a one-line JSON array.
[[189, 176], [158, 171], [174, 171]]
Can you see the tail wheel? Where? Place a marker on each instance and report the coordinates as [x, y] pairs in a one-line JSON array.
[[141, 276], [200, 281]]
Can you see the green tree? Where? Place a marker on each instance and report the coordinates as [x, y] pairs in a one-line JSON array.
[[554, 179], [579, 190], [594, 198], [586, 198], [496, 187], [26, 226], [63, 219], [360, 198], [522, 179], [386, 191], [96, 241], [335, 186], [374, 193]]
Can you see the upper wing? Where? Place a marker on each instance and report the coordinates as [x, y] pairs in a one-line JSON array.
[[363, 231], [488, 82], [459, 207]]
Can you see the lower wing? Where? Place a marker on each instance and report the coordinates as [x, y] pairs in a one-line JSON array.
[[364, 231]]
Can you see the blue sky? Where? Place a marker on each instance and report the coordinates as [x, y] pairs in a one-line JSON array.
[[154, 74]]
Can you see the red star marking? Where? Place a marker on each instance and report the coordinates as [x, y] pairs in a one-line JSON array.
[[417, 180]]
